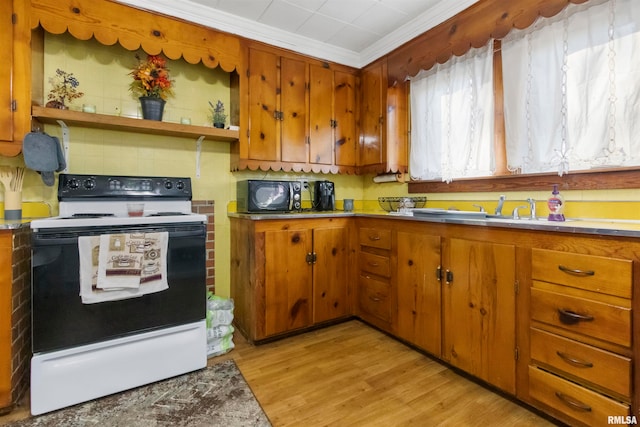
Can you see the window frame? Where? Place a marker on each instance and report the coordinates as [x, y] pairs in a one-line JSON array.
[[505, 180]]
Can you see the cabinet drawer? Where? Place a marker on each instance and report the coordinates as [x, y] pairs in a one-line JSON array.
[[374, 264], [597, 319], [374, 298], [375, 238], [605, 369], [593, 273], [573, 400]]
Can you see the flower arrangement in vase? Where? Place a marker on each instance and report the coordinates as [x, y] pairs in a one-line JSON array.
[[217, 114], [152, 85], [64, 88]]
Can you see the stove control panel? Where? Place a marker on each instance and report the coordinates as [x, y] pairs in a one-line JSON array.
[[74, 187]]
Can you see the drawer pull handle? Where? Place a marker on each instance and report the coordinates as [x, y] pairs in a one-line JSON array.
[[576, 271], [374, 299], [374, 238], [570, 318], [573, 403], [574, 360], [373, 263]]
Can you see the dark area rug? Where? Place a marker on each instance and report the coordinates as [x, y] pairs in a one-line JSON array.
[[215, 396]]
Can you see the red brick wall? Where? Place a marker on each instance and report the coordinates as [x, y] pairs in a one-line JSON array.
[[206, 207], [21, 313]]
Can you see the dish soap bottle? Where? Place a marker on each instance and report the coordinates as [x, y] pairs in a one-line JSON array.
[[556, 205]]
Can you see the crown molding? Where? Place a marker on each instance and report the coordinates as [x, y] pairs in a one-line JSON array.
[[439, 13], [222, 21]]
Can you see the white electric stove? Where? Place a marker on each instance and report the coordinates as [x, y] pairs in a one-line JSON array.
[[85, 350]]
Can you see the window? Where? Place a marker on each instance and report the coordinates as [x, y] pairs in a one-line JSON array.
[[571, 103], [572, 90], [452, 117]]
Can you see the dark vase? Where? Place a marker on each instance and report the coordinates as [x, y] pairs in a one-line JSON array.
[[152, 108], [218, 125]]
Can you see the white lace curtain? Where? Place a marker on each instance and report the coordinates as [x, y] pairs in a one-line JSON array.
[[572, 89], [452, 117]]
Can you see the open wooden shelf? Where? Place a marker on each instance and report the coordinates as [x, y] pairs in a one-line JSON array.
[[126, 124]]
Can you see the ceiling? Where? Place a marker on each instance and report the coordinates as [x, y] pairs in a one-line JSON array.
[[349, 32]]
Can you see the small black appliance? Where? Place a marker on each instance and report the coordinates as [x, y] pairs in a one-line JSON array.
[[324, 196]]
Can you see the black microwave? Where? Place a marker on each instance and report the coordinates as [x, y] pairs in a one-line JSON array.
[[268, 196]]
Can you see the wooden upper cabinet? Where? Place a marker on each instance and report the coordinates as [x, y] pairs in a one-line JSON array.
[[321, 115], [263, 108], [384, 122], [15, 80], [301, 114], [293, 110], [345, 112], [277, 106], [372, 117]]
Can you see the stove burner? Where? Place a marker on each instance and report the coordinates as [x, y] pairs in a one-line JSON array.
[[90, 215]]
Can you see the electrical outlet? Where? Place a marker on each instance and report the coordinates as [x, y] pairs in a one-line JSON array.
[[305, 184]]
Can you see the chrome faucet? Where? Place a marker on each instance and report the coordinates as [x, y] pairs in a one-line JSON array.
[[532, 208], [498, 210]]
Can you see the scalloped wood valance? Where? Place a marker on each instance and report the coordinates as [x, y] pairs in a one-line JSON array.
[[472, 27], [132, 28]]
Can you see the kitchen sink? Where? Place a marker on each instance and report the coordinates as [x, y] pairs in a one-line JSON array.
[[448, 213]]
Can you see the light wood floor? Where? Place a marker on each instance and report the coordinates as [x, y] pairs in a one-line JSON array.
[[353, 375]]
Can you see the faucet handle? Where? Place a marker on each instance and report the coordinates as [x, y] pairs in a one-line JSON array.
[[516, 214], [479, 207]]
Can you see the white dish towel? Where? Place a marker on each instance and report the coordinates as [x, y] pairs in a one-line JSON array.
[[120, 266]]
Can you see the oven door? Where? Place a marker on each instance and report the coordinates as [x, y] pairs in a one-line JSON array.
[[61, 320]]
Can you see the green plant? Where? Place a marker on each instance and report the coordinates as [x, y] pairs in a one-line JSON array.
[[64, 88], [151, 78], [217, 112]]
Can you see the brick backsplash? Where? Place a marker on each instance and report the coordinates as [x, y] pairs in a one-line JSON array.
[[206, 207], [21, 313]]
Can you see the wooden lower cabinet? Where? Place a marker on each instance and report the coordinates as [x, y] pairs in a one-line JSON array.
[[375, 291], [479, 298], [547, 317], [419, 290], [581, 322], [288, 275]]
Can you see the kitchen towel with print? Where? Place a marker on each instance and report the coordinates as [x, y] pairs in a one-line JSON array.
[[120, 266]]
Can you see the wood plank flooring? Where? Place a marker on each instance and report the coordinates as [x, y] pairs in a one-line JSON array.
[[353, 375]]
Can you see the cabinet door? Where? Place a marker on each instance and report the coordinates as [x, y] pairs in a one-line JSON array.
[[293, 123], [371, 147], [320, 115], [479, 310], [419, 295], [287, 280], [345, 141], [330, 273], [6, 41], [263, 85]]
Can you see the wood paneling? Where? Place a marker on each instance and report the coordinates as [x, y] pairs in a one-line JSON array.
[[110, 22], [472, 27]]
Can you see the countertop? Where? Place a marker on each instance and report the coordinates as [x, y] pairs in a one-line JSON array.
[[13, 224], [602, 227]]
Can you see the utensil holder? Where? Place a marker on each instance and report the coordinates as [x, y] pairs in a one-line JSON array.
[[13, 205]]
